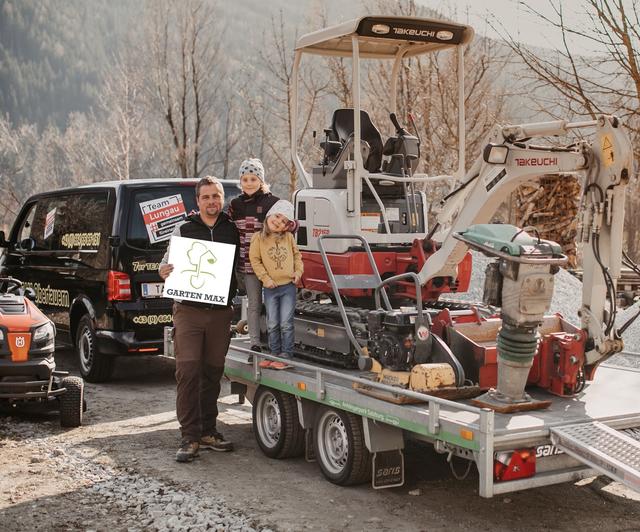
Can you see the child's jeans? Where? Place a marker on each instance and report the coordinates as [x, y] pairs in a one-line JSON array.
[[281, 304]]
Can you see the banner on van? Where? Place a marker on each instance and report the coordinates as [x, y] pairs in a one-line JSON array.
[[49, 222], [201, 270], [161, 215]]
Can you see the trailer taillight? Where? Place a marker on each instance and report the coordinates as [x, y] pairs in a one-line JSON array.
[[510, 465], [118, 286]]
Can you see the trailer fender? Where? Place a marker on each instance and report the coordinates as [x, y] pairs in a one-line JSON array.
[[380, 437], [307, 411]]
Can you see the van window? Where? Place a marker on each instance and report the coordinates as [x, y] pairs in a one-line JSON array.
[[155, 212], [76, 222]]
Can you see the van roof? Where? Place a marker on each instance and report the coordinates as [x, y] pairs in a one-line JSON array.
[[153, 181]]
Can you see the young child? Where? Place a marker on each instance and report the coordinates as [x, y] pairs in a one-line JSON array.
[[248, 211], [276, 260]]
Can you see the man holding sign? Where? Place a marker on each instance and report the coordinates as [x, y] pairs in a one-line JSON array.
[[199, 273]]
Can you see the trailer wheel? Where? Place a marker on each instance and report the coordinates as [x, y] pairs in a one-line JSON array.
[[72, 402], [340, 449], [276, 425], [94, 366]]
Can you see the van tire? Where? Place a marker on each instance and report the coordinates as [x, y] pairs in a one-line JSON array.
[[72, 403], [94, 366]]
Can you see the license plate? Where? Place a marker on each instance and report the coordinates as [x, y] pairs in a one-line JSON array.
[[547, 450], [152, 289]]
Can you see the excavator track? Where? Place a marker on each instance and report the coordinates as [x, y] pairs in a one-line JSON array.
[[330, 314]]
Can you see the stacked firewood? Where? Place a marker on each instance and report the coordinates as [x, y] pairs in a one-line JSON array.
[[550, 205]]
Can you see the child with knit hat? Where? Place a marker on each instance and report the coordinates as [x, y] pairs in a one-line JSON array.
[[248, 212], [276, 260]]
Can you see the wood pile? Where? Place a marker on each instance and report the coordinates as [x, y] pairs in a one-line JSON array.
[[551, 205]]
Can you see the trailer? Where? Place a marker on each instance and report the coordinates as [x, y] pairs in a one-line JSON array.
[[356, 429]]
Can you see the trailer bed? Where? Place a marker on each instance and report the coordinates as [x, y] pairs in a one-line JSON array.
[[459, 427]]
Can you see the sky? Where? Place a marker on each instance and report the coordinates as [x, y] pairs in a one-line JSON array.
[[514, 17]]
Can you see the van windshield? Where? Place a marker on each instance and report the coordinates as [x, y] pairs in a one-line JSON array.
[[154, 213]]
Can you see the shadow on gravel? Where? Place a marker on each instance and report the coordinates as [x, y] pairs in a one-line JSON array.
[[431, 498], [73, 510]]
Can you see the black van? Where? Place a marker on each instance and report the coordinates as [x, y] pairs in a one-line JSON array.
[[92, 253]]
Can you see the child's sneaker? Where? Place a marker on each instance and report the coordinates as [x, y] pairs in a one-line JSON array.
[[216, 442], [279, 365], [265, 363]]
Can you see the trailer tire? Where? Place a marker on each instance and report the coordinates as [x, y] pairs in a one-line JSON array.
[[276, 425], [340, 449], [72, 403]]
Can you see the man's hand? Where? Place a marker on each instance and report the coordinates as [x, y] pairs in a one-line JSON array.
[[296, 278], [269, 283], [165, 270]]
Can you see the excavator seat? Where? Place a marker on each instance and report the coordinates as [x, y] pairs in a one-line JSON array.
[[338, 147]]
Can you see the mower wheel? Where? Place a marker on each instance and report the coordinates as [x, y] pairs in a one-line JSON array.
[[242, 327], [276, 425], [72, 402], [94, 366]]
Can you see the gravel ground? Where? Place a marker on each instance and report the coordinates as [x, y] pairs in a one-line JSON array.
[[117, 472], [105, 493]]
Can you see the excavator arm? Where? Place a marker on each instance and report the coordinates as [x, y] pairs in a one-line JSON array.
[[510, 159]]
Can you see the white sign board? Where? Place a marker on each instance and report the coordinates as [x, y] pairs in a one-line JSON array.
[[162, 215], [49, 223], [201, 270]]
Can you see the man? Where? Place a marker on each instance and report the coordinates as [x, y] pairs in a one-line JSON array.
[[202, 332]]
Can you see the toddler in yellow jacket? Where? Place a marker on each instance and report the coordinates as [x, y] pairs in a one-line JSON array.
[[277, 262]]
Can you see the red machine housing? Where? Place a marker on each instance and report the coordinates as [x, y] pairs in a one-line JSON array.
[[394, 261], [557, 366]]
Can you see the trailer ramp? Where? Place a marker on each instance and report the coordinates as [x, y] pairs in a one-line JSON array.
[[609, 451]]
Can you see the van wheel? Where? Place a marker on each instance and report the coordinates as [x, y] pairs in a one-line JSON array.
[[94, 366], [276, 425], [340, 449], [72, 402]]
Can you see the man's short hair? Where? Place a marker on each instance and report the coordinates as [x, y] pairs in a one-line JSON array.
[[209, 180]]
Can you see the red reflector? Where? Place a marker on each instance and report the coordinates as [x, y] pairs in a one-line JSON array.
[[520, 463], [118, 286]]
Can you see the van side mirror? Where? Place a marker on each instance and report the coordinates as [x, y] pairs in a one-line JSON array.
[[27, 244], [3, 240]]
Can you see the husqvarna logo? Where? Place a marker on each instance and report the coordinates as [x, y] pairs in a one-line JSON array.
[[20, 341]]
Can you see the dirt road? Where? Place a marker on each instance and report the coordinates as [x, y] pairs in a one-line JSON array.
[[117, 472]]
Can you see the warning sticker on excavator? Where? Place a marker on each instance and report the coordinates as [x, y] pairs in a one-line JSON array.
[[607, 150]]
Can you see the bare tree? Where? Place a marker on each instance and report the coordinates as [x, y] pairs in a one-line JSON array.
[[585, 83], [272, 105], [187, 66]]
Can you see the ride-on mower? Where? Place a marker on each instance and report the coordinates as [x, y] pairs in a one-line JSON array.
[[28, 376]]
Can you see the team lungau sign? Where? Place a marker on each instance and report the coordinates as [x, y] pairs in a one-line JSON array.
[[201, 270]]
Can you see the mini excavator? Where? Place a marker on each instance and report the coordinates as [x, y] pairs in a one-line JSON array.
[[375, 273]]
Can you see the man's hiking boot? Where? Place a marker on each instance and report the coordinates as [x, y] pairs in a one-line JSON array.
[[216, 442], [187, 452]]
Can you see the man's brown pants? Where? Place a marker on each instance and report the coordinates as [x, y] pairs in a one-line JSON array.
[[201, 337]]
